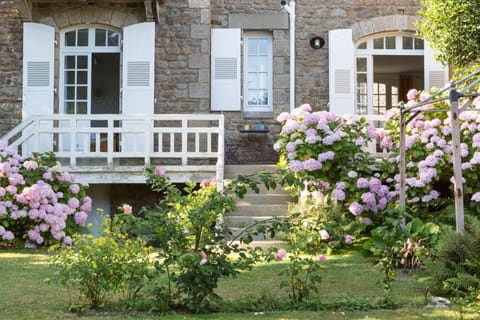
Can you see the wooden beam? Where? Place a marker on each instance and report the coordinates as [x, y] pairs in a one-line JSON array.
[[24, 8]]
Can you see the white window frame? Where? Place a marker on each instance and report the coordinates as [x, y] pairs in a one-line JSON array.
[[83, 50], [369, 52], [247, 35]]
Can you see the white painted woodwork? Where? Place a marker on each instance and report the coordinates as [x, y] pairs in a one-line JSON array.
[[225, 73], [138, 80], [341, 55], [185, 138], [435, 74], [38, 65]]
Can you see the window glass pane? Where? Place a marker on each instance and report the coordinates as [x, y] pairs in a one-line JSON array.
[[362, 45], [361, 64], [407, 43], [378, 43], [252, 64], [81, 108], [82, 40], [69, 107], [70, 62], [418, 43], [82, 62], [382, 88], [112, 39], [263, 97], [81, 93], [390, 42], [82, 77], [263, 46], [262, 65], [70, 38], [252, 81], [252, 46], [70, 77], [70, 93], [252, 98], [361, 78], [100, 37], [262, 80], [394, 101]]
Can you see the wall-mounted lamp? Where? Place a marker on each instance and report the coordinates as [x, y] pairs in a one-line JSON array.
[[317, 42]]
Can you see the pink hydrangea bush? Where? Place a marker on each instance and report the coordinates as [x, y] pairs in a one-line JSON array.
[[429, 153], [327, 157], [39, 203]]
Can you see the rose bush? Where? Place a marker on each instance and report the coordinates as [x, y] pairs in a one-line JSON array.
[[40, 204]]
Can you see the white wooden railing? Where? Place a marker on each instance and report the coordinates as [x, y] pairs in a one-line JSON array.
[[116, 148]]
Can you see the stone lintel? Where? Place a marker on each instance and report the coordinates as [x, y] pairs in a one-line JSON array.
[[258, 21]]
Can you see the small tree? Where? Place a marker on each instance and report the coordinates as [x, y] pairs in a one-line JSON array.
[[452, 29]]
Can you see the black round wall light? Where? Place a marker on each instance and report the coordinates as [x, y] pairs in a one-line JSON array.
[[317, 42]]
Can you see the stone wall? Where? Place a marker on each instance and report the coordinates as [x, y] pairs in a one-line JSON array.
[[10, 67], [182, 73]]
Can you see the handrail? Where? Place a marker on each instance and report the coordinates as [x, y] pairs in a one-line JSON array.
[[180, 141]]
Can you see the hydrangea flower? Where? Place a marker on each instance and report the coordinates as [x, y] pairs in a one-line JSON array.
[[324, 235], [280, 254]]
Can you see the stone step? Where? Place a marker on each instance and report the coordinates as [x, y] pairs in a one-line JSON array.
[[262, 198], [237, 231], [260, 210], [244, 221], [232, 171]]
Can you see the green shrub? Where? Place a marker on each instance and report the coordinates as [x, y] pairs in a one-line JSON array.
[[455, 267], [192, 242], [99, 267]]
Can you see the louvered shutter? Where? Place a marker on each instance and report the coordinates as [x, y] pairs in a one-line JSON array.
[[138, 68], [225, 84], [38, 59], [341, 57], [436, 75], [138, 80]]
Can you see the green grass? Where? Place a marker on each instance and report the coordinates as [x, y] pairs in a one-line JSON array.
[[25, 295]]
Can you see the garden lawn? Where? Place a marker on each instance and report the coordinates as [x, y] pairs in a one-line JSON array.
[[350, 280]]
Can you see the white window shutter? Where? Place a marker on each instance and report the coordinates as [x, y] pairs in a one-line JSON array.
[[436, 74], [138, 68], [225, 84], [38, 66], [341, 57]]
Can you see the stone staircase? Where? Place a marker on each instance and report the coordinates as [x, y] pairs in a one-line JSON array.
[[256, 207]]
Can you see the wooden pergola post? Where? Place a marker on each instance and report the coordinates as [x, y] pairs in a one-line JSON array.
[[457, 161]]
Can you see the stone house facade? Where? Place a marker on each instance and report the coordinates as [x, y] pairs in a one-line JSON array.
[[229, 57]]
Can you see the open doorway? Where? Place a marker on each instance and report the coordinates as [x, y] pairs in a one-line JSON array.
[[105, 95], [393, 76]]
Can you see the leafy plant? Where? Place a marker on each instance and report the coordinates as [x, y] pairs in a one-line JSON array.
[[194, 250], [443, 22], [40, 204], [100, 267], [396, 244], [455, 267]]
